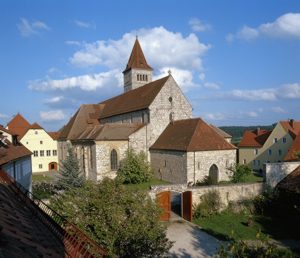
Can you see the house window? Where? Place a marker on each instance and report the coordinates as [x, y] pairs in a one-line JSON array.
[[41, 142], [284, 140], [35, 153], [258, 162], [54, 152], [254, 163], [279, 152], [256, 151], [26, 142], [275, 140], [42, 153], [270, 152], [114, 160], [36, 132], [146, 77], [244, 161], [48, 153], [40, 166]]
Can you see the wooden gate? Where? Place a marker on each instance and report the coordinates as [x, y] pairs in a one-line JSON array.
[[164, 201], [187, 205]]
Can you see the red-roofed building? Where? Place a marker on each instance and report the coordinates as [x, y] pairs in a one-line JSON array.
[[43, 145], [259, 147]]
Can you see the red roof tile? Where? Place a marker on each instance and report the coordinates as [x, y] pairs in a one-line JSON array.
[[255, 138], [137, 59], [190, 135], [292, 127], [133, 100], [294, 149], [54, 135], [18, 125], [291, 182]]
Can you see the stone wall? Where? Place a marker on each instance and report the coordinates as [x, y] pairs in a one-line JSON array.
[[200, 162], [103, 150], [169, 166], [228, 193], [275, 172]]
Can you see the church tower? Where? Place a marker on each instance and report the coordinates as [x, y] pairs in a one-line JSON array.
[[137, 72]]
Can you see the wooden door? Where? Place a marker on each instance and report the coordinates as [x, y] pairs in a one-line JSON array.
[[187, 205], [164, 201]]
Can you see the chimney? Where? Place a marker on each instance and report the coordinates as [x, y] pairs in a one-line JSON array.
[[291, 122], [257, 130]]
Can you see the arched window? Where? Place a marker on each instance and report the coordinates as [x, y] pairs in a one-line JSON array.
[[114, 160]]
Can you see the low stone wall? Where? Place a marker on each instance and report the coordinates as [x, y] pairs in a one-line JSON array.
[[228, 193], [275, 172]]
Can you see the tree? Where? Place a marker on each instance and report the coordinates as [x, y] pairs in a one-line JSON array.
[[239, 173], [124, 221], [70, 173], [134, 168]]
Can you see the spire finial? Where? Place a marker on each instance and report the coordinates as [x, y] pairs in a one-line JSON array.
[[169, 71]]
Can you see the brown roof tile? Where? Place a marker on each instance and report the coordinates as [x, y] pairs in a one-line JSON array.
[[190, 135], [18, 125], [133, 100], [221, 132], [86, 115], [137, 59], [10, 152], [35, 126], [294, 149], [255, 138], [292, 127], [291, 182], [54, 135], [114, 131]]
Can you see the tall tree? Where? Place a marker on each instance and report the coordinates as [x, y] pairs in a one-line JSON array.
[[70, 173], [124, 221]]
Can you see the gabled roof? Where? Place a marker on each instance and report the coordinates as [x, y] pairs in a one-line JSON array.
[[10, 152], [35, 126], [54, 135], [291, 182], [5, 130], [137, 59], [221, 132], [18, 125], [106, 132], [292, 127], [293, 150], [133, 100], [255, 138], [86, 115], [190, 135]]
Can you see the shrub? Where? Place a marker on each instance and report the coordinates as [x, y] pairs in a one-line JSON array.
[[207, 180], [239, 173], [134, 168], [210, 204], [261, 248], [44, 190]]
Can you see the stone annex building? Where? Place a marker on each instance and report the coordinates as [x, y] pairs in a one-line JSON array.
[[150, 116]]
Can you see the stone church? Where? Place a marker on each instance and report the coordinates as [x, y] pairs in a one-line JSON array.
[[141, 119]]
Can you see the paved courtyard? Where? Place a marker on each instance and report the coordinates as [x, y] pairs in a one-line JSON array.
[[190, 241]]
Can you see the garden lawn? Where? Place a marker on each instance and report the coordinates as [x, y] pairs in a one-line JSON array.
[[146, 185], [228, 225], [41, 178]]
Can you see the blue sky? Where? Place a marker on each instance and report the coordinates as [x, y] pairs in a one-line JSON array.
[[238, 62]]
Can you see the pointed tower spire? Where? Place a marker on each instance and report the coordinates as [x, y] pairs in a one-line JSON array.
[[137, 72]]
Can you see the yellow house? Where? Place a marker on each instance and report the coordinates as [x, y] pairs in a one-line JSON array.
[[42, 144], [260, 146]]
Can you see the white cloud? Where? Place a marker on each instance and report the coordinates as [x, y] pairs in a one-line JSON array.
[[253, 95], [161, 47], [278, 110], [53, 115], [83, 24], [89, 82], [27, 29], [290, 91], [56, 99], [198, 25], [3, 116], [252, 114], [73, 43], [216, 116], [285, 26], [202, 76], [211, 85]]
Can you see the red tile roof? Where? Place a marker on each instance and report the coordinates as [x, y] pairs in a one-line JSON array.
[[18, 125], [292, 127], [133, 100], [255, 138], [221, 132], [293, 150], [54, 135], [137, 59], [35, 126], [190, 135], [10, 152]]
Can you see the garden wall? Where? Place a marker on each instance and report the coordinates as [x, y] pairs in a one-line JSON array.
[[228, 193]]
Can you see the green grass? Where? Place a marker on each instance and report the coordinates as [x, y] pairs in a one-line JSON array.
[[253, 178], [228, 225], [146, 185], [41, 178]]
